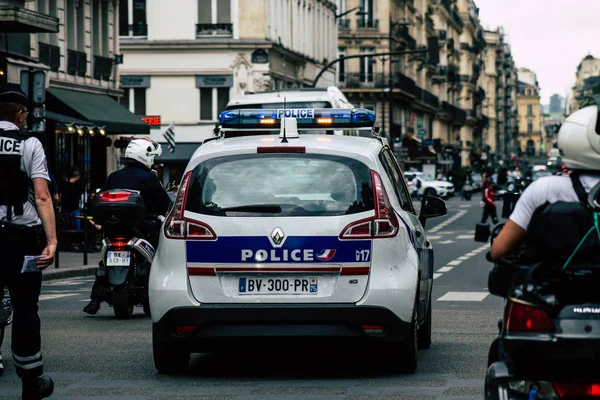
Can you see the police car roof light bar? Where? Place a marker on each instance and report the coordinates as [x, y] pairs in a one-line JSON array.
[[307, 119], [284, 140]]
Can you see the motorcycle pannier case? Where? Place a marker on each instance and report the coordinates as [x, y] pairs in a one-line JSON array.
[[118, 208]]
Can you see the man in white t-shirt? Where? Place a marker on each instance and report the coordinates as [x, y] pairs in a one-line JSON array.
[[579, 143]]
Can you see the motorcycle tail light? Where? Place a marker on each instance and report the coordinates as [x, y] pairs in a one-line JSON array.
[[523, 318], [577, 390]]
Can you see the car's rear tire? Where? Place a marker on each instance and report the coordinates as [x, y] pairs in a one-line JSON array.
[[430, 192], [424, 333], [169, 358], [122, 304], [403, 357]]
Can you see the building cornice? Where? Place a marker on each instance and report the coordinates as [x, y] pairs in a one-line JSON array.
[[85, 88]]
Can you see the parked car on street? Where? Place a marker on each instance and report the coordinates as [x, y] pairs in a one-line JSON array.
[[300, 241]]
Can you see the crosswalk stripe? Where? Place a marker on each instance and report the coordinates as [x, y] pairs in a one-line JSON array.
[[445, 269], [454, 263], [464, 237], [464, 296], [435, 275], [55, 296]]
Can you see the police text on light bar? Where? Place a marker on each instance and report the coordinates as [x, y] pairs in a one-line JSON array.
[[318, 118]]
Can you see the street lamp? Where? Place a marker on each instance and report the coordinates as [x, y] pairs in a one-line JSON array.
[[360, 13]]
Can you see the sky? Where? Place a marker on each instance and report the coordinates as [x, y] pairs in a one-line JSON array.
[[550, 37]]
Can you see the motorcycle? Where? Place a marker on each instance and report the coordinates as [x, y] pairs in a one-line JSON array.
[[467, 191], [126, 254], [548, 343]]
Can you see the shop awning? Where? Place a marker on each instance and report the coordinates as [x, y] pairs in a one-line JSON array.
[[417, 150], [183, 152], [65, 119], [96, 108]]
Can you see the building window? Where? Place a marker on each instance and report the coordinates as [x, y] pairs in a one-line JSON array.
[[529, 126], [367, 20], [529, 109], [81, 26], [134, 99], [132, 18], [125, 99], [212, 102], [366, 65], [71, 27], [342, 66], [214, 18]]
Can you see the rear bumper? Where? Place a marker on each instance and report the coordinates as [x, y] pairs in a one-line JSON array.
[[551, 351], [222, 327]]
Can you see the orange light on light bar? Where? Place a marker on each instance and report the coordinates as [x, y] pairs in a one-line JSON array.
[[268, 121], [325, 120]]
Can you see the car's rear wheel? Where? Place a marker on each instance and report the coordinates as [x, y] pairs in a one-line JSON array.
[[403, 357], [169, 358], [430, 192], [122, 304], [424, 333]]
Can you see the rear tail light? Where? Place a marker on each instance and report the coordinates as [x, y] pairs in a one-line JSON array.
[[577, 390], [383, 225], [373, 330], [114, 197], [184, 330], [118, 243], [523, 318], [177, 227]]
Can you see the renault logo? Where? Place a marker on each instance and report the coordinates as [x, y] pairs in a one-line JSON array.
[[277, 237]]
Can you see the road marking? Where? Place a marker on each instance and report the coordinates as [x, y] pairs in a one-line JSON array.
[[465, 205], [464, 296], [471, 254], [450, 220], [434, 237], [55, 296], [463, 258], [471, 232], [445, 269], [435, 276], [447, 242], [454, 263], [464, 237]]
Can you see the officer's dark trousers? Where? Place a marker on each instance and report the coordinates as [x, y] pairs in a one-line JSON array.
[[24, 292]]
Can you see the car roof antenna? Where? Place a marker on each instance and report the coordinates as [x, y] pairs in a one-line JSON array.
[[284, 140]]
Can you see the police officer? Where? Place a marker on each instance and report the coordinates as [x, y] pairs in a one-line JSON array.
[[579, 142], [137, 175], [27, 227]]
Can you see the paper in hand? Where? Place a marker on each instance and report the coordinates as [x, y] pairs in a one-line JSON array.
[[30, 264]]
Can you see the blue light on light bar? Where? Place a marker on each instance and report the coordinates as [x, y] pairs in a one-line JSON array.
[[317, 118]]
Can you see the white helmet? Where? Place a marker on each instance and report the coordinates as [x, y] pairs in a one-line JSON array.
[[579, 139], [143, 151]]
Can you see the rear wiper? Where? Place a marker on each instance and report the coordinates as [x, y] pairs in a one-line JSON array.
[[257, 208]]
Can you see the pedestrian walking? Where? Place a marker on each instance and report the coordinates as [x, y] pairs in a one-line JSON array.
[[27, 236], [489, 204], [70, 195]]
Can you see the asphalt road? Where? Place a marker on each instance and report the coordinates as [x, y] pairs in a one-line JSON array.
[[99, 357]]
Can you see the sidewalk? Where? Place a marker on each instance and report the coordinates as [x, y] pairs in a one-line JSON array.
[[71, 265]]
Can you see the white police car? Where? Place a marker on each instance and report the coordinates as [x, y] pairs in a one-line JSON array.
[[293, 240]]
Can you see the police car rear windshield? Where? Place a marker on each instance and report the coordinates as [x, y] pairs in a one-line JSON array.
[[280, 185], [289, 104]]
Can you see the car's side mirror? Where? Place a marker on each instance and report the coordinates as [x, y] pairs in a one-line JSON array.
[[431, 207]]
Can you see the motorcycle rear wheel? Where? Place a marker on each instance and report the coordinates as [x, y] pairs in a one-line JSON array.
[[122, 305]]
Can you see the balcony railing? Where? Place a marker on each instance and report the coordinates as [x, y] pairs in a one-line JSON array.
[[214, 29], [404, 83], [454, 113], [103, 67], [138, 29], [76, 63], [368, 23], [442, 35], [344, 23], [366, 81], [50, 55]]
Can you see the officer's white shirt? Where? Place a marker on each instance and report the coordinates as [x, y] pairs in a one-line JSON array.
[[34, 160], [549, 189]]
